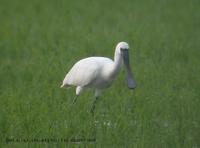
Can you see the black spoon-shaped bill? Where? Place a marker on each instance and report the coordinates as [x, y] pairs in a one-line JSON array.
[[131, 82]]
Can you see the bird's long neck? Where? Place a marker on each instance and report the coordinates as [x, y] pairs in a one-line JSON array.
[[117, 62]]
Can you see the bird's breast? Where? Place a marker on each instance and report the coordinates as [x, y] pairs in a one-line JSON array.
[[101, 83]]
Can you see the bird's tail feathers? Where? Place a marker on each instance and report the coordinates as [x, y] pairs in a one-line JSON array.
[[65, 86], [62, 86]]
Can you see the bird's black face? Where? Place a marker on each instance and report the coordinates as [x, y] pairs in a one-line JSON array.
[[130, 80]]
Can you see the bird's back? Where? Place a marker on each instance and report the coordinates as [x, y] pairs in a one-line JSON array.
[[86, 71]]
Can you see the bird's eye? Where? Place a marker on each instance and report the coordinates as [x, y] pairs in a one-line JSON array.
[[122, 49]]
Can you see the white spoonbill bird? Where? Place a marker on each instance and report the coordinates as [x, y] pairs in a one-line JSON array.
[[99, 72]]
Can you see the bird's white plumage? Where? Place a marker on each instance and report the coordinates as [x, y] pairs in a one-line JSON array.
[[95, 72]]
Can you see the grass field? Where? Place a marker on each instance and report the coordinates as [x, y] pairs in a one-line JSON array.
[[41, 40]]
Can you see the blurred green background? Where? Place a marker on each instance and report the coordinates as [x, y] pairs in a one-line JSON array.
[[41, 39]]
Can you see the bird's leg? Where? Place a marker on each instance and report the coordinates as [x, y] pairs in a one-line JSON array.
[[94, 105], [75, 98], [97, 94], [78, 91]]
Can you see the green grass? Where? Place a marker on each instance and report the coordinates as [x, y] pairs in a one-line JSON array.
[[41, 40]]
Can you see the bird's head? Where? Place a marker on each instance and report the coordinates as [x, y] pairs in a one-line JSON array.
[[122, 49], [121, 46]]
